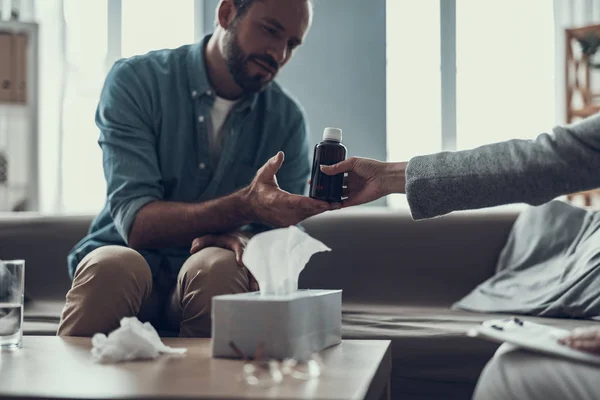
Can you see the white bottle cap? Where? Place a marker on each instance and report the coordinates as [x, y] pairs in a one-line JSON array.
[[334, 134]]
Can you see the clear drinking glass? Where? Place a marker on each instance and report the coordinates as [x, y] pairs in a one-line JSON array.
[[12, 285]]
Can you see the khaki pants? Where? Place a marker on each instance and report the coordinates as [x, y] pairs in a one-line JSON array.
[[113, 282], [518, 374]]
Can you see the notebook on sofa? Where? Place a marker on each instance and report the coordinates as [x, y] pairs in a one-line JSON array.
[[531, 336]]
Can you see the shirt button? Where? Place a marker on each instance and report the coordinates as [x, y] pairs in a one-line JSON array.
[[201, 118], [202, 165], [194, 93], [209, 92]]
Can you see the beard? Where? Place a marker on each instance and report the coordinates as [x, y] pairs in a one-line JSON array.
[[237, 64]]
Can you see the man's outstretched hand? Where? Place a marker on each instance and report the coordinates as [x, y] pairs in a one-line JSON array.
[[368, 179], [272, 206]]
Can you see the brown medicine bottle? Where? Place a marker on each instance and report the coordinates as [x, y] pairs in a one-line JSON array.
[[328, 152]]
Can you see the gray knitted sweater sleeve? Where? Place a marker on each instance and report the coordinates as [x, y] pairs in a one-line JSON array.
[[516, 171]]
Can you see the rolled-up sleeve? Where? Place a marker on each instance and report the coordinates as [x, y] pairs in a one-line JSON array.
[[129, 146]]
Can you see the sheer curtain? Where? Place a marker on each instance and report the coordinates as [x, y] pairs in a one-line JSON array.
[[505, 73], [505, 60], [504, 78], [72, 53], [82, 184], [75, 57], [413, 78], [49, 15], [413, 81]]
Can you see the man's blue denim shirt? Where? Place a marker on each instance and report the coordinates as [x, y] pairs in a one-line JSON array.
[[153, 114]]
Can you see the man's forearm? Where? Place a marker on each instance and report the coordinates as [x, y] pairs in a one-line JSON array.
[[164, 224]]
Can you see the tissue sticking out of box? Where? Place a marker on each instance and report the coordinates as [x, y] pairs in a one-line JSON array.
[[277, 257]]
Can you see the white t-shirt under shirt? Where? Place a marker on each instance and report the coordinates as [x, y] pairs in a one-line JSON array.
[[216, 138]]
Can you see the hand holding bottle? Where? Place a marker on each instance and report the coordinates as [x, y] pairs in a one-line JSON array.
[[368, 179]]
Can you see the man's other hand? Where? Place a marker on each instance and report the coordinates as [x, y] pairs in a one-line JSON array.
[[235, 242]]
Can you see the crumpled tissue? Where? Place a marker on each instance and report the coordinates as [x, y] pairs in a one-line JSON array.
[[277, 257], [133, 340]]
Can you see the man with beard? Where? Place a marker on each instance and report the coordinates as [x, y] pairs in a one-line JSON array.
[[192, 139]]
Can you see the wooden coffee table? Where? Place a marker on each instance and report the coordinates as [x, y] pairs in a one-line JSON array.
[[63, 368]]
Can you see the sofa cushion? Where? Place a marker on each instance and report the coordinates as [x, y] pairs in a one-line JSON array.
[[45, 328], [42, 317], [43, 311]]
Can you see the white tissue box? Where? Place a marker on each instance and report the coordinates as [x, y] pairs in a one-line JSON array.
[[289, 326]]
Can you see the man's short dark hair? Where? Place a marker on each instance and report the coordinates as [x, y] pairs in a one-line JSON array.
[[241, 8]]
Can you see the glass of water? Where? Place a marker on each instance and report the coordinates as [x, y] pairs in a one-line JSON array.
[[12, 285]]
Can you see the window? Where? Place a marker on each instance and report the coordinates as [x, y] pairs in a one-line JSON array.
[[413, 80], [505, 70], [503, 87], [83, 187], [90, 50], [163, 25]]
